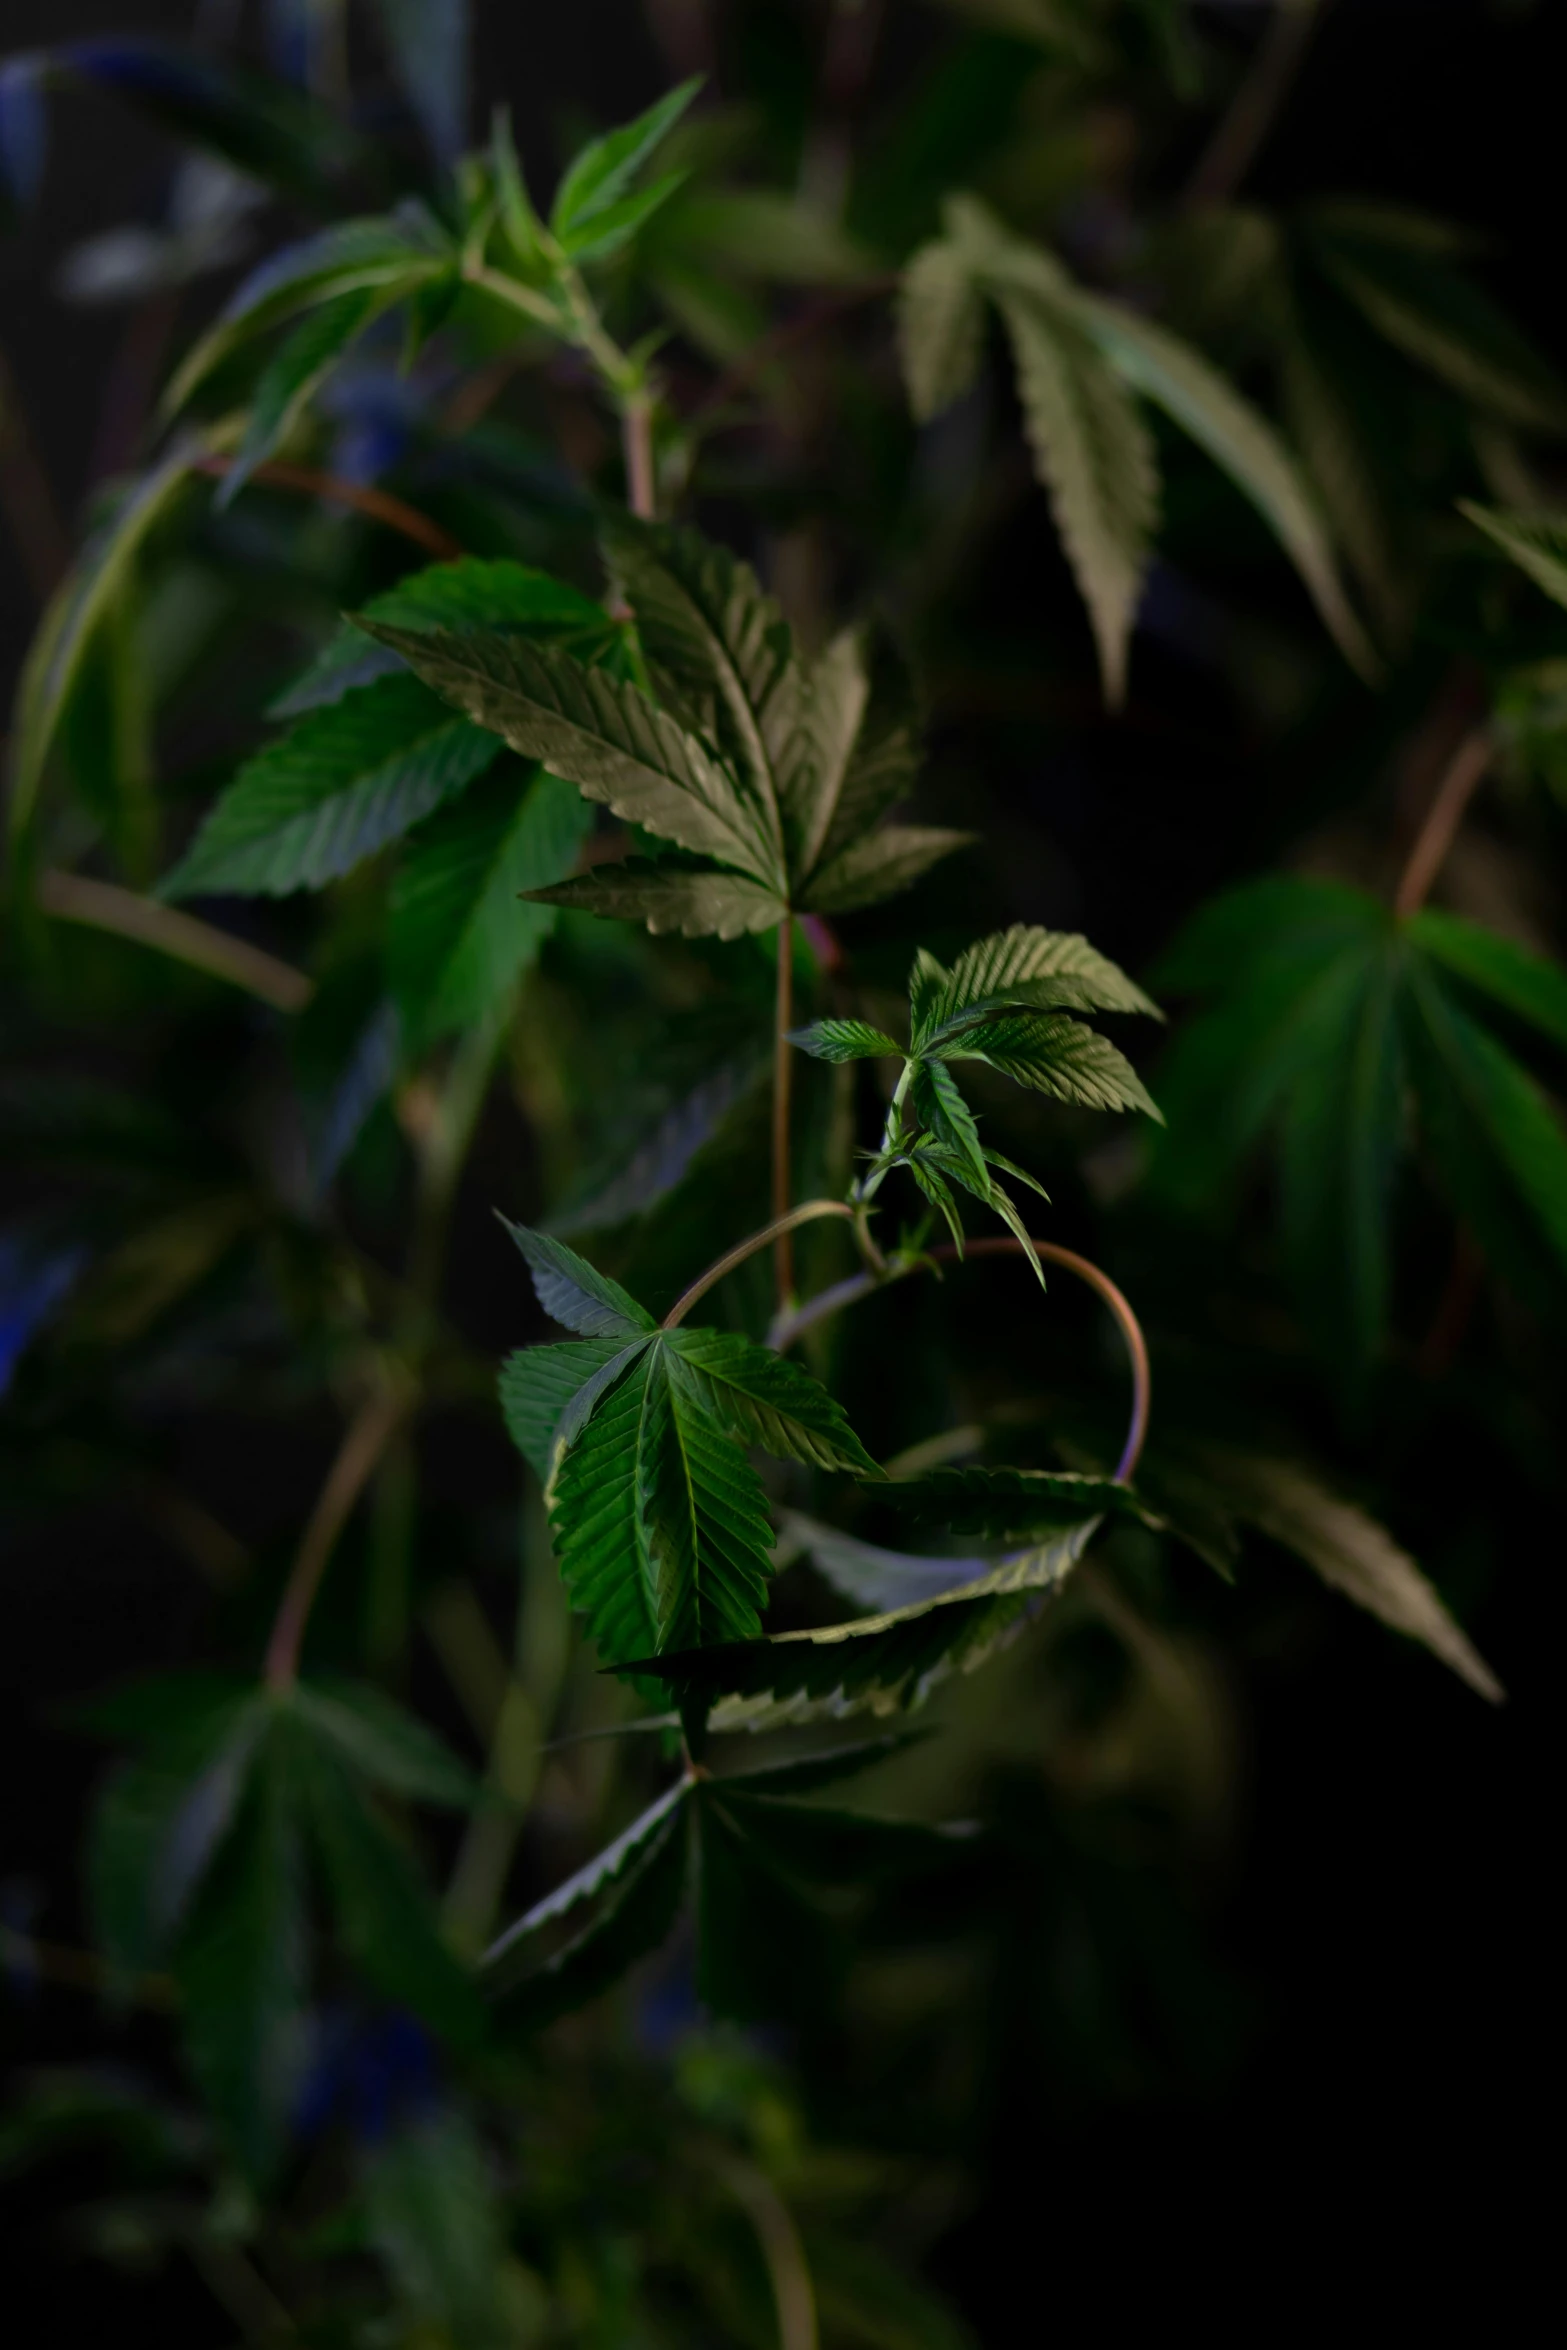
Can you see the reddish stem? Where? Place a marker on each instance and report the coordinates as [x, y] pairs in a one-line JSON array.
[[1436, 835], [377, 505]]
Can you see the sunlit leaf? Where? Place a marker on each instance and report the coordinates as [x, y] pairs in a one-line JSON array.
[[1350, 1551], [1028, 966], [1094, 455], [1054, 1055], [844, 1040], [1241, 441], [885, 1663], [879, 865], [604, 737], [940, 323], [697, 905]]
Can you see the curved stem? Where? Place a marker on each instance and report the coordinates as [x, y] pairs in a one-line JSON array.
[[104, 905], [807, 1213], [1437, 833], [794, 2300], [782, 1075], [376, 505], [848, 1293], [368, 1434]]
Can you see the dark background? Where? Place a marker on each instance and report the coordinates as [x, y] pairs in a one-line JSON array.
[[1370, 2160]]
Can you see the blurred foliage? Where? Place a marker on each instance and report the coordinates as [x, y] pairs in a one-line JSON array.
[[406, 825]]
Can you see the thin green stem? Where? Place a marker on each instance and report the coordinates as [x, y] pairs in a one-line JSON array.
[[783, 1072]]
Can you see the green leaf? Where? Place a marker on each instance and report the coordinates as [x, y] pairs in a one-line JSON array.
[[1239, 440], [851, 781], [941, 322], [845, 1040], [1524, 983], [927, 1172], [600, 175], [1341, 1140], [519, 220], [872, 1577], [388, 259], [1350, 1551], [879, 866], [1027, 966], [634, 1923], [759, 1396], [1497, 1145], [59, 649], [814, 728], [943, 1110], [1536, 542], [457, 939], [609, 231], [710, 634], [384, 1913], [291, 378], [885, 1663], [574, 1292], [516, 1952], [1439, 320], [243, 1970], [697, 905], [158, 1827], [1007, 1505], [604, 737], [807, 1773], [472, 592], [536, 1386], [660, 1522], [383, 1744], [350, 778], [1093, 454], [1054, 1055], [431, 2207]]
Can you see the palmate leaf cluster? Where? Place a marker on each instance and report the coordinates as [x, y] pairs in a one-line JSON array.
[[1352, 1043], [1083, 365], [1003, 1004], [262, 1862], [776, 773]]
